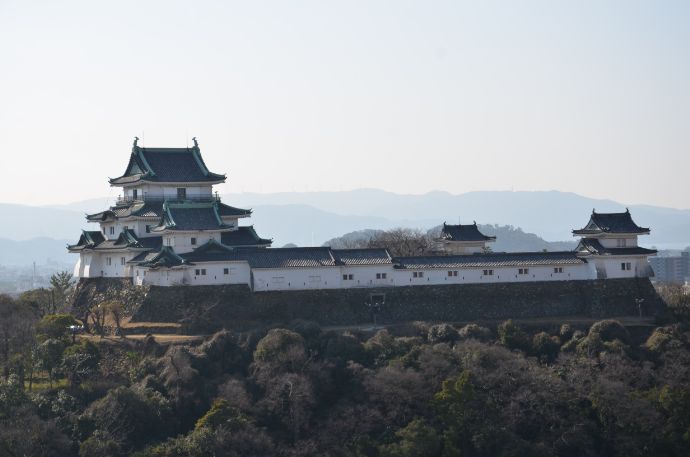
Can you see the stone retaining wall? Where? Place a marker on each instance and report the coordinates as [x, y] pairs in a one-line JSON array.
[[212, 307]]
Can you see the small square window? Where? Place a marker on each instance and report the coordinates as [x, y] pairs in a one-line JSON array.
[[193, 241], [226, 271], [197, 272], [384, 275], [558, 270]]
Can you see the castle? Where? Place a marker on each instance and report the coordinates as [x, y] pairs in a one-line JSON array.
[[168, 228]]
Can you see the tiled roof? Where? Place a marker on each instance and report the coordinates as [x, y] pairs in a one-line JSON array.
[[610, 223], [127, 239], [163, 165], [592, 246], [489, 260], [468, 232], [362, 256], [243, 236], [227, 210], [138, 208], [165, 258], [88, 239], [212, 251], [190, 216], [287, 257]]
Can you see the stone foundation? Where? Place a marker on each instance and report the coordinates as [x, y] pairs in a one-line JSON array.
[[213, 307]]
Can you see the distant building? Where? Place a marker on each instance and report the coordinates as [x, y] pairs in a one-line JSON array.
[[671, 268], [463, 239], [169, 228]]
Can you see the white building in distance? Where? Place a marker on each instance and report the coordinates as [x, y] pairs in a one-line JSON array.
[[169, 229]]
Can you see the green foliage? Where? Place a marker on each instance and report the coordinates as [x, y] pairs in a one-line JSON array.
[[133, 416], [100, 444], [664, 339], [11, 396], [442, 333], [545, 346], [416, 439], [604, 336], [49, 356], [383, 347], [475, 332], [512, 336], [80, 360], [465, 418], [222, 414], [281, 347], [55, 326]]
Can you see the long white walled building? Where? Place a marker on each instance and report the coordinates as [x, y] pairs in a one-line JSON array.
[[169, 228]]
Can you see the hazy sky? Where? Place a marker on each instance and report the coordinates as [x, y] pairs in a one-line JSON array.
[[585, 96]]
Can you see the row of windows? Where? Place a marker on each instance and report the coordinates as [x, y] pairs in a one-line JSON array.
[[202, 271], [109, 261], [351, 277]]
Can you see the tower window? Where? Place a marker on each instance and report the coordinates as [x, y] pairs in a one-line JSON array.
[[193, 241], [226, 271], [112, 230], [558, 269], [523, 271], [488, 272], [134, 194], [381, 275], [181, 193], [626, 266]]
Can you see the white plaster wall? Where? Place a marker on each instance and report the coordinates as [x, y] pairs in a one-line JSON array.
[[296, 278], [612, 241], [614, 270], [503, 274], [365, 276], [238, 273], [182, 242]]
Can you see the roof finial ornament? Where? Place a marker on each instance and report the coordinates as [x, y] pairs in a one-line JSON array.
[[136, 138], [627, 210], [594, 210], [475, 222], [196, 143]]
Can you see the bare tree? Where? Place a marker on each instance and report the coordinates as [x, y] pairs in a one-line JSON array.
[[403, 242]]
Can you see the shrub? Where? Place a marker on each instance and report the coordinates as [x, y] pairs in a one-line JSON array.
[[511, 336], [545, 346], [55, 326], [282, 349], [475, 332], [442, 333], [664, 338], [609, 330]]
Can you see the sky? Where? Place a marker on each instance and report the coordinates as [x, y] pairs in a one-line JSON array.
[[591, 97]]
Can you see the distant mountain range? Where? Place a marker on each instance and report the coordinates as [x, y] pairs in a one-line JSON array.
[[312, 218]]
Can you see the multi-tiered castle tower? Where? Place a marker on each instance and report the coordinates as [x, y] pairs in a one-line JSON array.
[[167, 208]]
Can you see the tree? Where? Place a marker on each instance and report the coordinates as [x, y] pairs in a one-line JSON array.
[[282, 349], [417, 439], [80, 360], [16, 327], [50, 356], [55, 326], [61, 283], [402, 242], [511, 336]]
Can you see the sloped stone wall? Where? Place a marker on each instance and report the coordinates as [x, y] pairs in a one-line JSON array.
[[212, 307]]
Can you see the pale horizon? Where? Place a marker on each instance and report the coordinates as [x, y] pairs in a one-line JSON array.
[[590, 98]]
